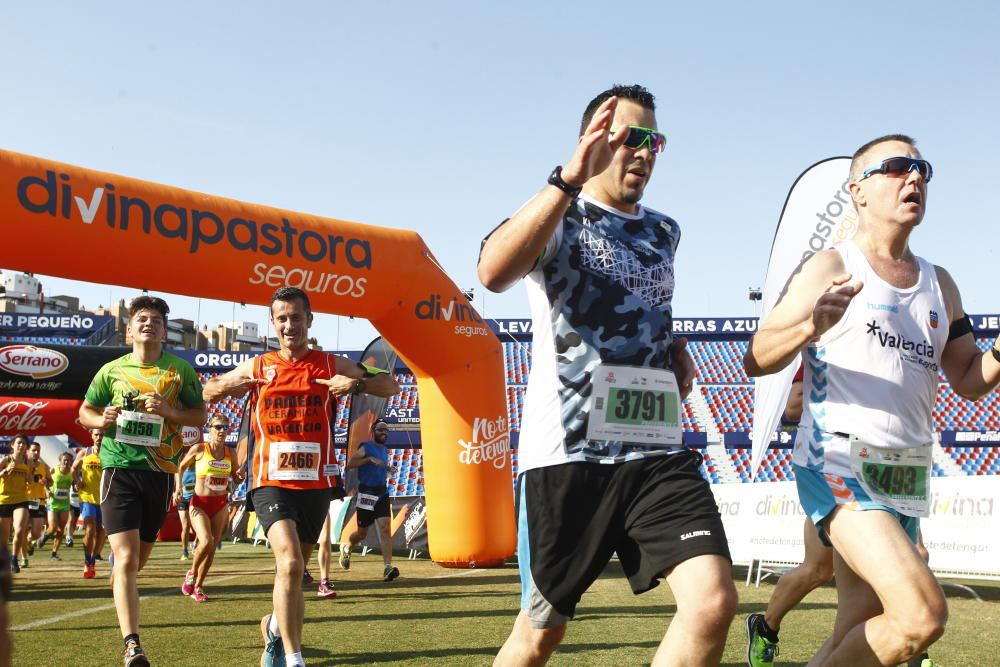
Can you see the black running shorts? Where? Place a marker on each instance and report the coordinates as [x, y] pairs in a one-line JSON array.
[[572, 518], [380, 510], [135, 500], [306, 507]]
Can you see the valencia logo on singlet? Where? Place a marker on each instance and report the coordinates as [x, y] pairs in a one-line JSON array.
[[914, 352]]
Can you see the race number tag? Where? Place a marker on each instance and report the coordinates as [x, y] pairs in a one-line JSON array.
[[60, 494], [188, 488], [293, 461], [35, 504], [139, 428], [217, 482], [366, 501], [331, 470], [637, 405], [897, 478]]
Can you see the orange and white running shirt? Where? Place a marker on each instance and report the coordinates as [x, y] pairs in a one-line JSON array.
[[292, 422]]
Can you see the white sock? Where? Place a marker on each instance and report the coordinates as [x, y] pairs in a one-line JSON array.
[[272, 626], [294, 660]]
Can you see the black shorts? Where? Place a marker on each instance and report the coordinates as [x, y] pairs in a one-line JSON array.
[[308, 508], [37, 512], [135, 500], [183, 504], [654, 512], [7, 511], [379, 511]]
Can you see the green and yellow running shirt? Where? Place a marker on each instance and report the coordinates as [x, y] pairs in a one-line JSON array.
[[59, 492], [123, 383]]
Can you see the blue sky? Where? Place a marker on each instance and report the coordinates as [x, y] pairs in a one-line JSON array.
[[445, 117]]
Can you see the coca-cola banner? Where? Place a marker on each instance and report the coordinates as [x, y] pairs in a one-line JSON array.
[[41, 416], [52, 371]]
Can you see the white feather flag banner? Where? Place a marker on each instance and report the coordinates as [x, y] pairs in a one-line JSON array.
[[817, 214]]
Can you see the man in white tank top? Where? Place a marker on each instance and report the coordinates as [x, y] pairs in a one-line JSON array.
[[873, 324]]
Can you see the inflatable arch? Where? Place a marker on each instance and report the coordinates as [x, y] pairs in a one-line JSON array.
[[77, 223]]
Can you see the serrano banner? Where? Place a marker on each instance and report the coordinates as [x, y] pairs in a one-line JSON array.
[[166, 239], [817, 213], [52, 371]]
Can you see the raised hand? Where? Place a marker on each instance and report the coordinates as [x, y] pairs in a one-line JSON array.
[[833, 303], [596, 146]]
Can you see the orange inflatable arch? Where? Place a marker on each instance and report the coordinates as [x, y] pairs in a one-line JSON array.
[[77, 223]]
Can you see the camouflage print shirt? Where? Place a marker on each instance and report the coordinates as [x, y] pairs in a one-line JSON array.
[[600, 293]]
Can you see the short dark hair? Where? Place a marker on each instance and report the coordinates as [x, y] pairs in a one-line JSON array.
[[380, 422], [145, 302], [857, 166], [21, 436], [635, 92], [289, 294]]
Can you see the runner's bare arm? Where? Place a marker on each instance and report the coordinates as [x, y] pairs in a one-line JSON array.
[[359, 459], [971, 372], [235, 383], [378, 381], [511, 251], [684, 369], [814, 300]]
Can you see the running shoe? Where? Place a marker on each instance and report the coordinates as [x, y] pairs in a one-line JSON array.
[[199, 595], [389, 573], [326, 590], [184, 555], [345, 557], [133, 656], [89, 572], [14, 567], [24, 562], [927, 662], [761, 652], [187, 588], [274, 649], [68, 541], [31, 547], [306, 577], [54, 556]]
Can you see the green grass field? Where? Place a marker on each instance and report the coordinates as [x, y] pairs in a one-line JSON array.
[[429, 616]]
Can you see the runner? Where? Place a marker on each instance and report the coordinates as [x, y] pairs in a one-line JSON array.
[[184, 483], [293, 461], [209, 505], [87, 472], [74, 511], [39, 479], [874, 324], [324, 556], [596, 477], [58, 505], [14, 498], [142, 400], [372, 461]]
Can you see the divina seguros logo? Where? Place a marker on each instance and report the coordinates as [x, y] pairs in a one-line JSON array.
[[455, 310], [54, 195]]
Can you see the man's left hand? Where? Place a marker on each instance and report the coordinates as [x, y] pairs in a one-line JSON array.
[[338, 384], [683, 365]]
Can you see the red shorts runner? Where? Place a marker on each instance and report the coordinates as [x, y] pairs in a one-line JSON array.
[[210, 505]]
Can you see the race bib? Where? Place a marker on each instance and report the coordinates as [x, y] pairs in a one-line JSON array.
[[331, 470], [636, 405], [293, 461], [217, 482], [188, 488], [34, 504], [60, 494], [139, 428], [897, 478], [366, 501]]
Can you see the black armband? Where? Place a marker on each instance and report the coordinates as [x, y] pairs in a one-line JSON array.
[[959, 328]]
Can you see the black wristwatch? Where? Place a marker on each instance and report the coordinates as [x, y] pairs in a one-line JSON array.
[[555, 178], [359, 387]]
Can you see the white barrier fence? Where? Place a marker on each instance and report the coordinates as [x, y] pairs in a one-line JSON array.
[[764, 524]]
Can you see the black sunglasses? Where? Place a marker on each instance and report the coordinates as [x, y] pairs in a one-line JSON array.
[[220, 427]]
